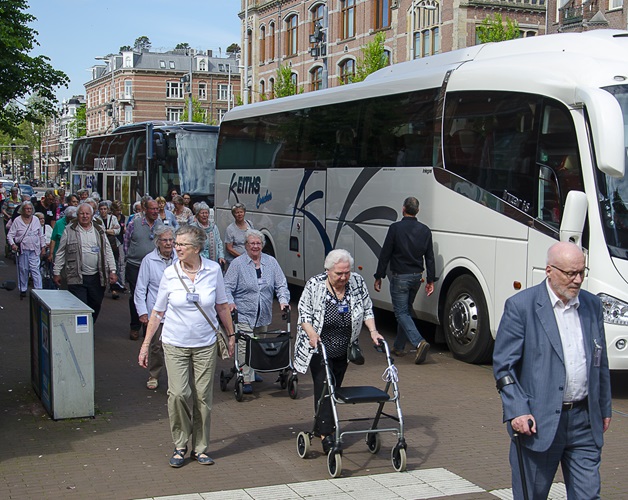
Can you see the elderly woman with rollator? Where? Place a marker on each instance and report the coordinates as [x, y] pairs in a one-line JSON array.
[[191, 295], [332, 309], [251, 281]]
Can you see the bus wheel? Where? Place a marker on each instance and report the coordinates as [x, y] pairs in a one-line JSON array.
[[465, 321], [268, 248]]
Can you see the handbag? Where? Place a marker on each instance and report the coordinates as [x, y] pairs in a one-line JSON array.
[[221, 336], [354, 353]]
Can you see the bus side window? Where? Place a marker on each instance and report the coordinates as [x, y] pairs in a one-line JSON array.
[[549, 208]]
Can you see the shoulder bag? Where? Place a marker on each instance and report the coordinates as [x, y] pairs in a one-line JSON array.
[[221, 336]]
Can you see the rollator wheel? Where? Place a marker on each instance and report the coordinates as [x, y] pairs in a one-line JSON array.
[[373, 442], [293, 387], [303, 444], [398, 457], [334, 464], [239, 389], [223, 381], [283, 380]]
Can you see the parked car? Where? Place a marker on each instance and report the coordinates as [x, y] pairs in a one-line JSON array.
[[26, 189]]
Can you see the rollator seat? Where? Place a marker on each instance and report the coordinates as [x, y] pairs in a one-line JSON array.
[[361, 394]]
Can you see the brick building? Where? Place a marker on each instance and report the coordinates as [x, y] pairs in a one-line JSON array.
[[568, 16], [138, 86], [277, 32]]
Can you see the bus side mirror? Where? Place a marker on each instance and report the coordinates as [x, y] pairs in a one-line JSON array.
[[574, 216], [607, 128]]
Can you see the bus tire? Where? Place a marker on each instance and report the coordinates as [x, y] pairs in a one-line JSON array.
[[268, 248], [465, 321]]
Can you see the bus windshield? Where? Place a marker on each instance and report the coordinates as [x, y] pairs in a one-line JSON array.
[[196, 153], [613, 192]]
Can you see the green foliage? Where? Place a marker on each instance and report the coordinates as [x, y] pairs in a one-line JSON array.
[[78, 126], [233, 48], [125, 48], [142, 43], [284, 86], [373, 58], [492, 29], [22, 75], [182, 45], [199, 115]]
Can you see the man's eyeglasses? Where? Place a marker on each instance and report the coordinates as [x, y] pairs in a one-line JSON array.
[[571, 275]]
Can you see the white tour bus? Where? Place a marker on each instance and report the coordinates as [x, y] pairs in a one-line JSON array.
[[509, 147]]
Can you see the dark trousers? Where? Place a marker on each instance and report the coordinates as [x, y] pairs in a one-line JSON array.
[[324, 423], [132, 272], [90, 292]]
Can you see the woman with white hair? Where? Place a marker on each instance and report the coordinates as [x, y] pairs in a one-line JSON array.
[[26, 238], [214, 249], [332, 308]]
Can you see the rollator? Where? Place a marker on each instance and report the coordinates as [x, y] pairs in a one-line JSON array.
[[265, 352], [360, 395]]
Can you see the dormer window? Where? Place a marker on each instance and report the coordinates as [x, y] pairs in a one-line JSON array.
[[202, 65], [162, 64], [171, 64]]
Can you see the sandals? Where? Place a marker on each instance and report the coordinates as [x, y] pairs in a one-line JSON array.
[[202, 458], [152, 384], [178, 457]]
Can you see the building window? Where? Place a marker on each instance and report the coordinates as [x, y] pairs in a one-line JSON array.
[[128, 114], [272, 42], [162, 64], [249, 48], [291, 35], [174, 114], [171, 64], [174, 90], [382, 14], [202, 91], [223, 92], [128, 89], [615, 4], [202, 65], [128, 63], [271, 87], [316, 78], [262, 90], [317, 16], [262, 44], [347, 70], [221, 67], [348, 18], [294, 80], [221, 114], [426, 31], [526, 34]]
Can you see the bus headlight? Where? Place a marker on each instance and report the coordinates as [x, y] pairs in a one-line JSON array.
[[615, 310]]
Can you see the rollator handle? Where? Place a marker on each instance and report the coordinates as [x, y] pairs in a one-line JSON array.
[[234, 316], [285, 314]]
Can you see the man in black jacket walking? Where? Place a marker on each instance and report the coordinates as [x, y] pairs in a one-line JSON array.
[[408, 243]]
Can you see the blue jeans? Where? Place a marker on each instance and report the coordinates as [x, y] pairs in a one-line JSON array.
[[403, 290]]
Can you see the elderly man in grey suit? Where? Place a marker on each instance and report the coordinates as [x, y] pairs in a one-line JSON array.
[[551, 370]]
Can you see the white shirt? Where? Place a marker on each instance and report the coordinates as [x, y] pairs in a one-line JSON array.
[[90, 249], [184, 325], [570, 329]]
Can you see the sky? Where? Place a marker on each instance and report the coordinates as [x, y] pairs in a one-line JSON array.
[[73, 32]]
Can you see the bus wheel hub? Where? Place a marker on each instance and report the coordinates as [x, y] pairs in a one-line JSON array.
[[463, 319]]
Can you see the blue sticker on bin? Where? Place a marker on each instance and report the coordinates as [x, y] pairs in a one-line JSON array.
[[82, 325]]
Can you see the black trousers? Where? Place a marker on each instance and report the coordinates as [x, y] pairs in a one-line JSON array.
[[132, 271], [324, 423], [90, 292]]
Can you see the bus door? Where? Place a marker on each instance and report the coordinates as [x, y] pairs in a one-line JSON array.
[[121, 186], [315, 240]]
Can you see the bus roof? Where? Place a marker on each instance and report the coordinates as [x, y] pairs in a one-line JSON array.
[[559, 63], [167, 126]]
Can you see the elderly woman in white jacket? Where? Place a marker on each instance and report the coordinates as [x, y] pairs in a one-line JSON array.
[[332, 309]]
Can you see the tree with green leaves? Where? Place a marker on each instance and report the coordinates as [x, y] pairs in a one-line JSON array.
[[372, 59], [233, 48], [78, 126], [182, 45], [492, 29], [142, 43], [22, 75], [125, 48], [284, 82], [199, 115]]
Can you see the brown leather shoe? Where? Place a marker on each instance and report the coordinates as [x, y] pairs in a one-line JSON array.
[[421, 352], [134, 335]]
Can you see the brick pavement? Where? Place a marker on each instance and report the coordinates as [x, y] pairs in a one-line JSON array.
[[452, 416]]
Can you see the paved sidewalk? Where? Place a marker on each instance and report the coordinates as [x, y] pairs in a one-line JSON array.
[[451, 410]]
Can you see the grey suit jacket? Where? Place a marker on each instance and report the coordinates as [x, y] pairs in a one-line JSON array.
[[528, 348]]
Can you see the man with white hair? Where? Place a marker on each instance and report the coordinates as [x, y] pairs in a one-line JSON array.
[[85, 254]]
